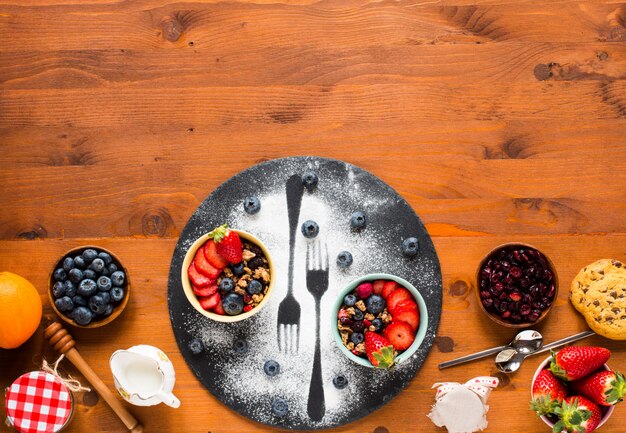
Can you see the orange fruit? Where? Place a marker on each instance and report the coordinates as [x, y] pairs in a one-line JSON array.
[[20, 310]]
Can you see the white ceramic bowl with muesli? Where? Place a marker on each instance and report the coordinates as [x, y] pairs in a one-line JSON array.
[[264, 273]]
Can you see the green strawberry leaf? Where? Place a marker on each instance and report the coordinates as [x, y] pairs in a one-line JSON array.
[[385, 357], [615, 393]]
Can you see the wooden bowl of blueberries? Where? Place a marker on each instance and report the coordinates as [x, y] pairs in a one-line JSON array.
[[88, 287]]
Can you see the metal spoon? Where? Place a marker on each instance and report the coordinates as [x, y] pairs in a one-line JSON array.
[[525, 342], [510, 360]]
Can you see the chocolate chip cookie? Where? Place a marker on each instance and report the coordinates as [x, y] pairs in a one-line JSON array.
[[596, 271], [604, 306]]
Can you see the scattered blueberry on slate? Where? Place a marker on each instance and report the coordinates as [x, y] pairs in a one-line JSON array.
[[232, 304], [280, 407], [226, 285], [238, 269], [252, 205], [271, 368], [88, 286], [377, 324], [357, 337], [410, 247], [254, 287], [375, 304], [344, 259], [340, 381], [310, 229], [196, 346], [309, 180], [358, 314], [60, 274], [358, 220], [68, 264], [240, 346], [349, 300]]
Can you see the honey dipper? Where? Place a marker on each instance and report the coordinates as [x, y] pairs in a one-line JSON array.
[[62, 341]]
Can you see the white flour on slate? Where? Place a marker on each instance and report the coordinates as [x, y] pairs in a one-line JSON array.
[[271, 226]]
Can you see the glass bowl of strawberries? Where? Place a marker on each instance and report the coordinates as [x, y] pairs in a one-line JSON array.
[[379, 320], [227, 274], [575, 390]]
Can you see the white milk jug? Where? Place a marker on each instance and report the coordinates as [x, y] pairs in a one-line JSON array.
[[144, 376]]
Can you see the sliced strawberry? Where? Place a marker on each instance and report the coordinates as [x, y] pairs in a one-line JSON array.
[[411, 317], [405, 304], [209, 302], [389, 287], [218, 309], [214, 258], [400, 335], [400, 294], [377, 286], [198, 279], [203, 266], [204, 291]]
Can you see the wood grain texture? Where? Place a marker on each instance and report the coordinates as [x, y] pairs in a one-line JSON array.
[[497, 120]]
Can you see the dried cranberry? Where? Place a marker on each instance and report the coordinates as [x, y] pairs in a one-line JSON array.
[[532, 317], [508, 279], [486, 273], [502, 296], [516, 318], [547, 302], [524, 310], [496, 276], [487, 302], [506, 265], [551, 292], [485, 294], [527, 298], [498, 287], [515, 272], [515, 296], [358, 326], [517, 255], [346, 321], [506, 315], [496, 304], [503, 306], [483, 283], [547, 275]]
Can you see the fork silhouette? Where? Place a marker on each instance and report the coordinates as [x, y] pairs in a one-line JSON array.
[[317, 284], [288, 323]]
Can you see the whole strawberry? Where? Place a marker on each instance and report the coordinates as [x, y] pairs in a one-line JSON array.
[[379, 350], [228, 244], [548, 393], [575, 362], [605, 388], [577, 414]]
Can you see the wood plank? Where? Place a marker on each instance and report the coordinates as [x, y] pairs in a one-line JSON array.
[[463, 330], [175, 26]]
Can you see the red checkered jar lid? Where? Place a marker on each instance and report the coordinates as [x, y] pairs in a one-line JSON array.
[[38, 402]]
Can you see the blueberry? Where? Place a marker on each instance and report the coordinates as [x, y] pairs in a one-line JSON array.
[[358, 220], [58, 290], [68, 263], [377, 324], [97, 265], [226, 285], [112, 267], [309, 180], [75, 275], [255, 263], [252, 205], [280, 407], [89, 254], [238, 269], [70, 288], [340, 381], [106, 257], [87, 287], [196, 346], [107, 310], [89, 274], [82, 315], [117, 278], [232, 304], [358, 314], [310, 229], [344, 259], [410, 246], [79, 262], [357, 337], [254, 287], [64, 304], [349, 300], [106, 297], [117, 294], [79, 301], [97, 304], [375, 304], [104, 284], [271, 368], [240, 346], [60, 274]]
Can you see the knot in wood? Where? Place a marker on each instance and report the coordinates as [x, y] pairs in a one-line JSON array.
[[172, 28]]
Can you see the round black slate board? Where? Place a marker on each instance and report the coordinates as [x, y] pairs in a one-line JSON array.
[[236, 378]]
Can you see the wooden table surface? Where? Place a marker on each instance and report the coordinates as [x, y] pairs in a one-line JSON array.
[[498, 120]]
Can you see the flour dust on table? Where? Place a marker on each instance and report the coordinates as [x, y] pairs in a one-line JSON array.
[[232, 364]]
